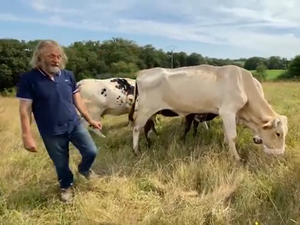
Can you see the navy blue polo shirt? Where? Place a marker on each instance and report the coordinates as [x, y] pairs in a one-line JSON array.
[[52, 100]]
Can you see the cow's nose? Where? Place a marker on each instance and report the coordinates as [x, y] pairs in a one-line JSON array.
[[257, 141]]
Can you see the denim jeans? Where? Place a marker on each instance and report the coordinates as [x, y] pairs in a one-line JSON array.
[[57, 147]]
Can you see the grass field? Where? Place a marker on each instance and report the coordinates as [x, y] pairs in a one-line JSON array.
[[172, 183], [272, 74]]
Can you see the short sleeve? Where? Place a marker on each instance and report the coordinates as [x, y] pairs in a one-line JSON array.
[[24, 89], [74, 84]]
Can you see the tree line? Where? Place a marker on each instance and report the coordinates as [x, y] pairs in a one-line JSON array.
[[121, 57]]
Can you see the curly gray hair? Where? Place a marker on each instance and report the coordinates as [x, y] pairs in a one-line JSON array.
[[35, 62]]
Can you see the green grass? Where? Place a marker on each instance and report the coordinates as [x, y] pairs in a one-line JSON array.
[[272, 74], [172, 183]]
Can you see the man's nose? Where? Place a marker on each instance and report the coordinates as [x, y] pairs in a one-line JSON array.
[[55, 59]]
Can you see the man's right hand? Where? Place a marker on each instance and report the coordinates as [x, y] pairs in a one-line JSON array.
[[29, 143]]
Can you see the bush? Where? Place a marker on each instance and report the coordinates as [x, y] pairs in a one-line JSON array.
[[260, 72]]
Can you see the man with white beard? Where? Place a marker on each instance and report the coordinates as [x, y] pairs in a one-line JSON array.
[[50, 93]]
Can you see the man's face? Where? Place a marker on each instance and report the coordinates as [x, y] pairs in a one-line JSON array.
[[51, 59]]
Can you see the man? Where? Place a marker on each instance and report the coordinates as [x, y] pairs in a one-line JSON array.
[[49, 92]]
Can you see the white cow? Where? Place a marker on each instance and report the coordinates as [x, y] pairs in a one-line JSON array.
[[228, 91], [201, 117], [194, 119], [108, 96]]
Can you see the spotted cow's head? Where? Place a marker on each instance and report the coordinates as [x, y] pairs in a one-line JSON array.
[[129, 100]]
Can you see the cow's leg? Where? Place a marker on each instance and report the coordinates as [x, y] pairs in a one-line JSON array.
[[205, 125], [229, 122], [225, 140], [187, 125], [139, 123], [195, 126]]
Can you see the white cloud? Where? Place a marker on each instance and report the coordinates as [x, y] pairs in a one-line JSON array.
[[264, 25]]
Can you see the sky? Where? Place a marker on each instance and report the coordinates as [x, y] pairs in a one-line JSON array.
[[213, 28]]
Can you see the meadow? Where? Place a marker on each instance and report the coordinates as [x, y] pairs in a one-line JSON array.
[[171, 183], [272, 74]]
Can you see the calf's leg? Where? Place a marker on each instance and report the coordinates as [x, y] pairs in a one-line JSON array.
[[147, 128], [195, 126], [187, 125]]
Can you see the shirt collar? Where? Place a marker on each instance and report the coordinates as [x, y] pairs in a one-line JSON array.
[[42, 72]]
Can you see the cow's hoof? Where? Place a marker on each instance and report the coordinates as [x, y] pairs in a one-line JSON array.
[[136, 152]]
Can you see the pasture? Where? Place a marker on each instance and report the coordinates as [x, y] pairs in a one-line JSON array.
[[272, 74], [172, 183]]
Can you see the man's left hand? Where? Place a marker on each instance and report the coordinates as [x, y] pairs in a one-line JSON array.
[[95, 124]]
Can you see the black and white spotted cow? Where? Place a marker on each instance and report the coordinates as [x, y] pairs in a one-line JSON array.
[[106, 97]]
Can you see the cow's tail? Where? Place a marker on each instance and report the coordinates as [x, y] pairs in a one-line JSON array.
[[132, 109]]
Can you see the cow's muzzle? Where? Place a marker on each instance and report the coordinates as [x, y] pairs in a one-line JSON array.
[[257, 140]]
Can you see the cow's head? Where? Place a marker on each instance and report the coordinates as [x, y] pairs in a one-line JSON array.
[[272, 134], [129, 100], [130, 95]]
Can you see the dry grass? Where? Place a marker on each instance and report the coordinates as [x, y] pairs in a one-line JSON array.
[[172, 183]]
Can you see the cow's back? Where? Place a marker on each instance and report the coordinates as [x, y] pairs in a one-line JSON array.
[[109, 95], [93, 91], [197, 87]]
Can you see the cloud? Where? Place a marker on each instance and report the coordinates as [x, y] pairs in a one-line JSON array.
[[270, 27]]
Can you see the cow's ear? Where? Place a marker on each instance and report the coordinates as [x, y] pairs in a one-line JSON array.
[[271, 124], [267, 125], [276, 122]]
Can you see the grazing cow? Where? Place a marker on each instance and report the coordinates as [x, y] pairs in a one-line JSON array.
[[195, 119], [228, 91], [108, 96]]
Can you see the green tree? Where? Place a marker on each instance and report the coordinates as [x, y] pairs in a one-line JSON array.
[[294, 67], [261, 72], [121, 57]]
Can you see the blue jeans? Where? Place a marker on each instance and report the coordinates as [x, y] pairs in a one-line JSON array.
[[58, 149]]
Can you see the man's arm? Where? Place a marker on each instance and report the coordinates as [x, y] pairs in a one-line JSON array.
[[25, 117], [25, 95], [81, 106], [78, 102]]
